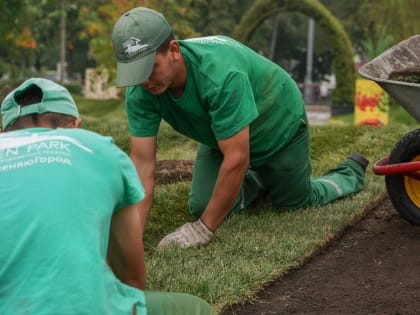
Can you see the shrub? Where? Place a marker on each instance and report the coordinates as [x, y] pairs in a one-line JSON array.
[[74, 87]]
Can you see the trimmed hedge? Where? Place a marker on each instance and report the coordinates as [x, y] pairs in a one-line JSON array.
[[343, 64]]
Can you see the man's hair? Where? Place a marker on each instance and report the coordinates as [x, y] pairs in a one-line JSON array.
[[33, 95], [163, 48]]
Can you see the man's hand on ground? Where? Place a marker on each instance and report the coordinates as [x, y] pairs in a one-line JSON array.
[[190, 234]]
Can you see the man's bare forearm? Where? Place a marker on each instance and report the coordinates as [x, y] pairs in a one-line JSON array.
[[229, 181], [226, 190], [146, 172]]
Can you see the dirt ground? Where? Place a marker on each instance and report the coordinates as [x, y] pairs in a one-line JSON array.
[[371, 268], [171, 171]]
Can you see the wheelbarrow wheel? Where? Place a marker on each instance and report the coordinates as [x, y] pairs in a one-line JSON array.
[[404, 189]]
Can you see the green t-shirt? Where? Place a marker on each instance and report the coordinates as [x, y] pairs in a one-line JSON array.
[[229, 86], [59, 189]]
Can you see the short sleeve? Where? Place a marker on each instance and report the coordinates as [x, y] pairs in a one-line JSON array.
[[143, 113], [133, 190], [234, 106]]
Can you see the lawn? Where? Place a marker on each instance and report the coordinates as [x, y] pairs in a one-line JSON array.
[[258, 244]]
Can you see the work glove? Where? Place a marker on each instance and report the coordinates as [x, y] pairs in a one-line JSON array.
[[190, 234]]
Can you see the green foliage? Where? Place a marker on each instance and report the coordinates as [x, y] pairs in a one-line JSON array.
[[286, 33], [392, 20], [89, 25], [343, 95], [100, 19], [218, 16], [374, 47], [373, 23], [10, 10], [38, 22], [74, 88], [10, 83]]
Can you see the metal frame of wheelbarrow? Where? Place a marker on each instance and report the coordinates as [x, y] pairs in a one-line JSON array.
[[381, 167], [402, 167]]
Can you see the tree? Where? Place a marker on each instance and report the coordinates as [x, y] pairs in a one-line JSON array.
[[32, 39], [219, 16], [99, 17], [374, 26], [11, 11], [343, 96]]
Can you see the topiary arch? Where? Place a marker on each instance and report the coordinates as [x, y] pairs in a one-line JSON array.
[[343, 64]]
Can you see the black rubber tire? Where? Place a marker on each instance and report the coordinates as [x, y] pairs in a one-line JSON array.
[[405, 150]]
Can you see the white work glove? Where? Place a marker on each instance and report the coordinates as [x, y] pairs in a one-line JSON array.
[[190, 234]]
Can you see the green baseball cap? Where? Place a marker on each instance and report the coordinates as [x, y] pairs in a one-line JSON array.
[[55, 99], [136, 36]]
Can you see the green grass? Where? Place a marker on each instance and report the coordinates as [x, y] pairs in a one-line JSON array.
[[108, 117], [259, 244]]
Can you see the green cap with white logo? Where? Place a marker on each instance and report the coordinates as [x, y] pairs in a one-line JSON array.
[[136, 36], [55, 99]]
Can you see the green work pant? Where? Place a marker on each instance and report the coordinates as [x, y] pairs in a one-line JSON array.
[[286, 177], [169, 303]]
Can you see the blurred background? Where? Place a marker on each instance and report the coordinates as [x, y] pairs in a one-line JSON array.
[[69, 41]]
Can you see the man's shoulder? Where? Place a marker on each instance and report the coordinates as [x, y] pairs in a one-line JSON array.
[[48, 132], [220, 51], [83, 134], [77, 136], [213, 40], [208, 39]]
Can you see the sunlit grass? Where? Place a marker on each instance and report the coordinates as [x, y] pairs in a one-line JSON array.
[[259, 244]]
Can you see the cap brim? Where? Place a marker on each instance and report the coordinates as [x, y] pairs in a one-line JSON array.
[[135, 72]]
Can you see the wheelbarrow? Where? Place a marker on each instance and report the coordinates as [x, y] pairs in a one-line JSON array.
[[397, 71]]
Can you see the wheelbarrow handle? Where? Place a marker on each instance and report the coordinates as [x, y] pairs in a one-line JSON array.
[[381, 167]]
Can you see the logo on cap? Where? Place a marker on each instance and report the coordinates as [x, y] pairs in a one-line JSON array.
[[133, 47]]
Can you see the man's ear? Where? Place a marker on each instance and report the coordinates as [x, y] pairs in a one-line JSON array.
[[75, 123], [174, 49]]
